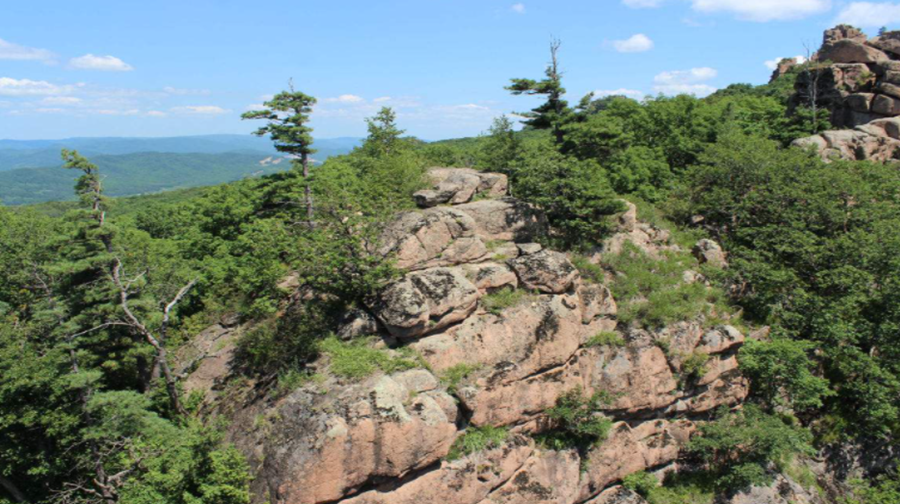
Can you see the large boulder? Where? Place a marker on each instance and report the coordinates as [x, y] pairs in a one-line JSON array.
[[888, 42], [546, 271], [459, 185], [505, 219], [320, 448], [863, 143], [430, 238], [850, 51], [709, 252], [426, 301], [843, 32]]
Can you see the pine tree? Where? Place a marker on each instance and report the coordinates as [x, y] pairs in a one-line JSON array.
[[287, 114], [555, 112]]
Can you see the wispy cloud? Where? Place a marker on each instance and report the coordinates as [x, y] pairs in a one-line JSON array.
[[691, 81], [186, 92], [750, 10], [518, 8], [772, 64], [344, 98], [200, 110], [101, 63], [630, 93], [27, 87], [10, 51], [869, 14]]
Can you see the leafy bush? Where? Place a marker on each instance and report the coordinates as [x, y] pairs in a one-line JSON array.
[[694, 366], [476, 439], [640, 483], [576, 422], [502, 299], [358, 358], [606, 338], [740, 447], [781, 373], [454, 375]]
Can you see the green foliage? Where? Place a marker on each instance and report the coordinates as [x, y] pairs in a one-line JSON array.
[[606, 338], [500, 148], [555, 112], [502, 299], [640, 483], [694, 366], [575, 195], [739, 447], [652, 291], [885, 489], [590, 272], [576, 422], [359, 358], [287, 115], [453, 376], [781, 374], [682, 487], [477, 439]]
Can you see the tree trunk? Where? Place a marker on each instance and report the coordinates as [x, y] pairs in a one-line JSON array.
[[12, 490], [304, 160]]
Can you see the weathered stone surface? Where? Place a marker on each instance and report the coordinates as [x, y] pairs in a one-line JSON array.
[[869, 142], [886, 105], [617, 495], [781, 491], [853, 77], [491, 276], [322, 447], [596, 301], [529, 248], [426, 301], [459, 185], [850, 51], [546, 271], [505, 219], [889, 89], [888, 42], [860, 102], [709, 252], [464, 481], [356, 323], [434, 237], [843, 32]]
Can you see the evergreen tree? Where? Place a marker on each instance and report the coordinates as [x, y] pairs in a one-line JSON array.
[[501, 147], [287, 114], [555, 112]]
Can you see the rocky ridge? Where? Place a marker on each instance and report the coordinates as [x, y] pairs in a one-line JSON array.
[[385, 438], [861, 88]]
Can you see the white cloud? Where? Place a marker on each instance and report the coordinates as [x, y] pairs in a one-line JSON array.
[[869, 14], [117, 112], [382, 99], [10, 51], [156, 113], [102, 63], [344, 98], [641, 4], [772, 64], [764, 10], [61, 100], [685, 82], [185, 92], [27, 87], [518, 8], [635, 43], [200, 110], [254, 106], [43, 110], [630, 93], [750, 10]]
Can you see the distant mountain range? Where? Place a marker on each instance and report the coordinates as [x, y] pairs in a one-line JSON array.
[[30, 169]]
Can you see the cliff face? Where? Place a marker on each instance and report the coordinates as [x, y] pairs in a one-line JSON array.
[[861, 87], [385, 438]]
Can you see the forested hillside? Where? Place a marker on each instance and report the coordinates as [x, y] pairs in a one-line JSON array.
[[662, 301]]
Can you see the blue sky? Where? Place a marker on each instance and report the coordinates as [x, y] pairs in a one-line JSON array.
[[167, 68]]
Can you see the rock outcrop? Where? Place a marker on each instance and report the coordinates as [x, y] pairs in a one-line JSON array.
[[503, 328], [878, 140]]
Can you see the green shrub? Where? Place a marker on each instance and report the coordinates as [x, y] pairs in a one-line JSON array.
[[590, 272], [781, 373], [576, 422], [694, 366], [454, 375], [358, 358], [739, 447], [477, 439], [502, 299], [606, 338], [640, 483]]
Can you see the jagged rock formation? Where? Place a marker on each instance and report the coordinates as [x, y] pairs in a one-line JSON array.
[[878, 140], [384, 439]]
